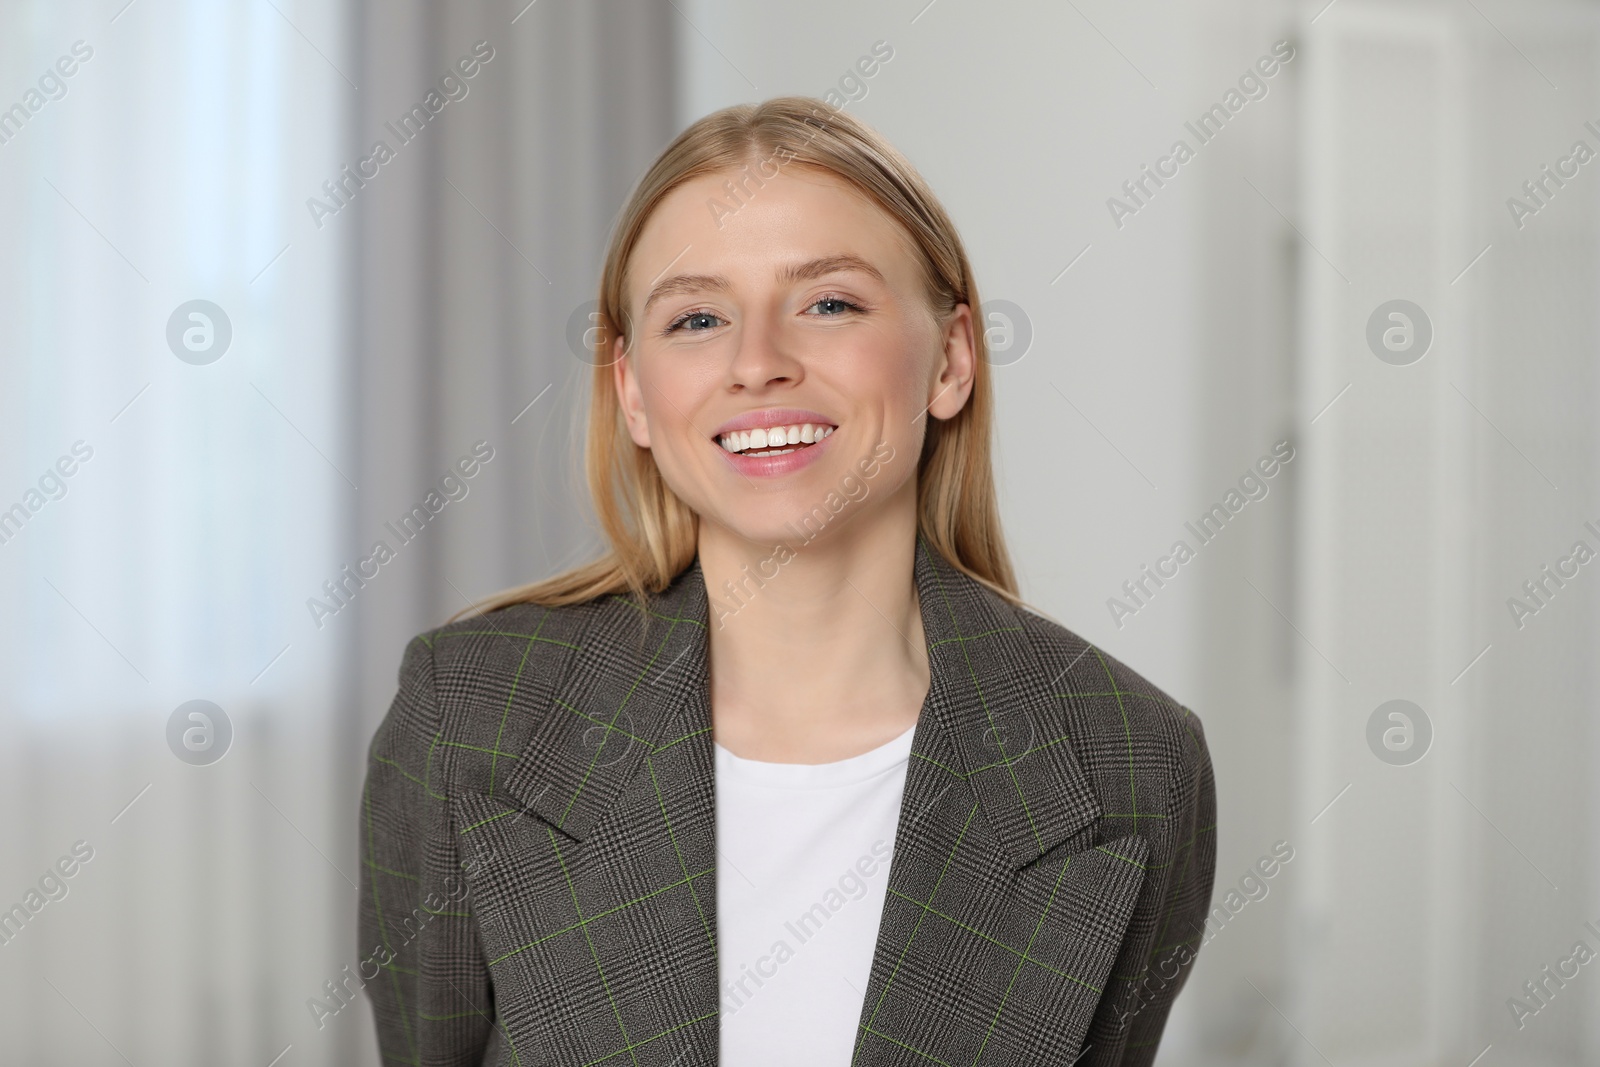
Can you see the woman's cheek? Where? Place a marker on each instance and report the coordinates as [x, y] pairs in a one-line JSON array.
[[911, 386], [668, 395], [890, 363]]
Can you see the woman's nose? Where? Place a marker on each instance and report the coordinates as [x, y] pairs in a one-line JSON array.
[[762, 358]]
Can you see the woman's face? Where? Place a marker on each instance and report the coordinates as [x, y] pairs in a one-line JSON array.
[[784, 355]]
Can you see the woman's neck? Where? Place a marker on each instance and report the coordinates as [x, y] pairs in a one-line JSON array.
[[817, 650]]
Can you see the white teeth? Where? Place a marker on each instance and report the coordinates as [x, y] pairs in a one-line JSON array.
[[764, 437]]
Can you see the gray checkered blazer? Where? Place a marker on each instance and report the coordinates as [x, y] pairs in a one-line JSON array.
[[538, 859]]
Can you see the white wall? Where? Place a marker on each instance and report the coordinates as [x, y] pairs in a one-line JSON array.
[[1224, 316], [1159, 367]]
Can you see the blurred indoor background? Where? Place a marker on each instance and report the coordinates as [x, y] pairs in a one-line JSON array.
[[183, 478]]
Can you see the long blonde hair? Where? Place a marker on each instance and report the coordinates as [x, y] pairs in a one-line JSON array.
[[652, 533]]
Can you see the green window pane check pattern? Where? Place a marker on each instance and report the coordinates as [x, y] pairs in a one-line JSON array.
[[1056, 839]]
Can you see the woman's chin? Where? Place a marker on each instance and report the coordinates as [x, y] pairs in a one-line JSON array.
[[792, 528]]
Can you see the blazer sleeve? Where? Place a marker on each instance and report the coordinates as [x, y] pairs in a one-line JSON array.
[[1185, 904], [431, 996]]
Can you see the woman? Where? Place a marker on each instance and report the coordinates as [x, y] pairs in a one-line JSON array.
[[790, 775]]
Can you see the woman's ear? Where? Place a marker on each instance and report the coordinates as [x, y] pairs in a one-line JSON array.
[[952, 383], [630, 395]]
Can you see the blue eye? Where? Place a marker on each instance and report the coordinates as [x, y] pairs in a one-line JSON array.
[[695, 322], [831, 306]]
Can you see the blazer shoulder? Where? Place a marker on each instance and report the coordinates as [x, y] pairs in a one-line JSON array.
[[1110, 703], [471, 692], [472, 648]]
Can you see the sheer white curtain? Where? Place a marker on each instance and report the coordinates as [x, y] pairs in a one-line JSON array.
[[217, 493], [170, 170]]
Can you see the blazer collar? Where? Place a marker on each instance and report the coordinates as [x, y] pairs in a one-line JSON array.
[[646, 685]]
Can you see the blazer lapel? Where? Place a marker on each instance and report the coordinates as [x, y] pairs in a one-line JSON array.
[[593, 858], [599, 913], [1004, 914]]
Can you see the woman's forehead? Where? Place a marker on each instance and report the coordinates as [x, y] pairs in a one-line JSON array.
[[725, 223]]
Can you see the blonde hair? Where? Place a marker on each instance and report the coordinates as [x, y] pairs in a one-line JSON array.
[[652, 533]]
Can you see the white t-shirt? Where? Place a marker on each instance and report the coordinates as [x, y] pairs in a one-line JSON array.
[[802, 866]]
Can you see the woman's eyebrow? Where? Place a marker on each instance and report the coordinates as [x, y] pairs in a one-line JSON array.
[[798, 272], [816, 268], [687, 283]]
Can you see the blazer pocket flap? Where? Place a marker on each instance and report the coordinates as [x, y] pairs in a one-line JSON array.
[[494, 836]]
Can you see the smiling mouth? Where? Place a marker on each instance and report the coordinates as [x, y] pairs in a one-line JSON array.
[[774, 440]]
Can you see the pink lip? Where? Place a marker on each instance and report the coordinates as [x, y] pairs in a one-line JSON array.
[[772, 417]]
